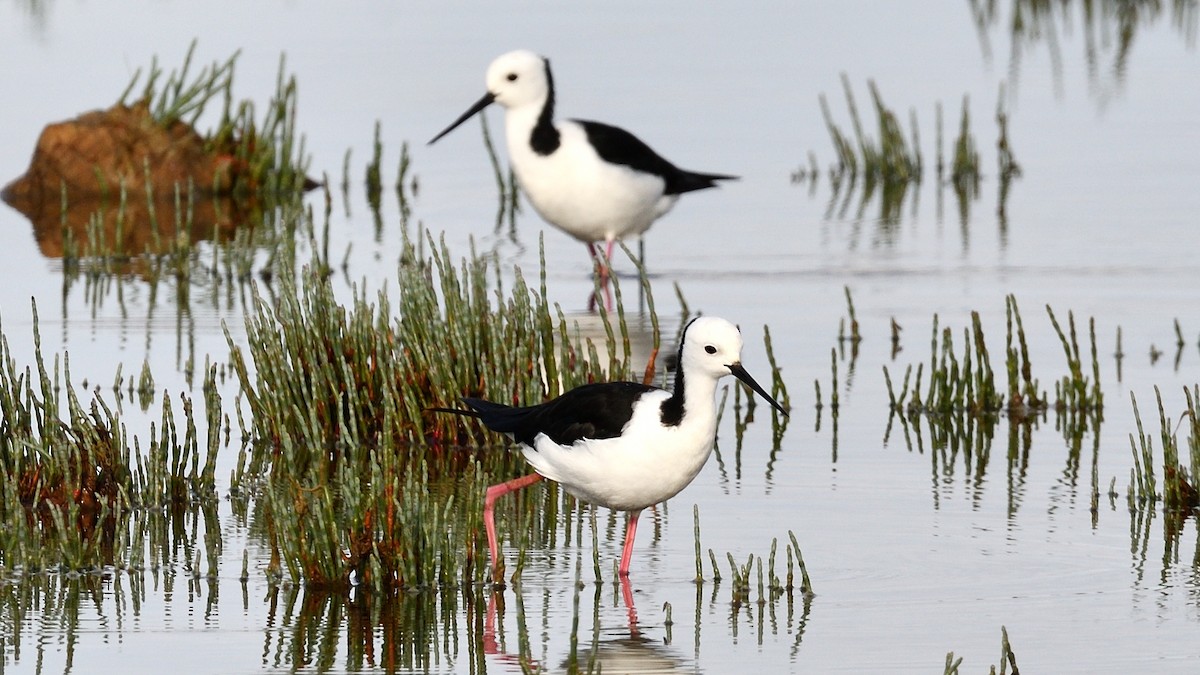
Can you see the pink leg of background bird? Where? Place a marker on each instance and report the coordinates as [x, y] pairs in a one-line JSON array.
[[603, 263]]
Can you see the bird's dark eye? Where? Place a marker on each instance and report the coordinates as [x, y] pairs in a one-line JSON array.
[[710, 349], [511, 77]]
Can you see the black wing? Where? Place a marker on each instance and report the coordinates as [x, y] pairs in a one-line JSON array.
[[590, 411], [618, 146]]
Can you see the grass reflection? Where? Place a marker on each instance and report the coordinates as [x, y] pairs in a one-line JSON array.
[[313, 629], [1110, 31]]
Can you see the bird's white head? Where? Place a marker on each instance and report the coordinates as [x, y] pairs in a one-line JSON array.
[[518, 78], [713, 347]]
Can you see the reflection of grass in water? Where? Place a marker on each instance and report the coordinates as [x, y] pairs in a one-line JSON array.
[[178, 264], [1109, 28], [403, 632], [70, 609]]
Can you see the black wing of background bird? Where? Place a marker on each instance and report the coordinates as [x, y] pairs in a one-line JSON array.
[[618, 146]]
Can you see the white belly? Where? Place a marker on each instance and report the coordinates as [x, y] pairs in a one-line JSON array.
[[586, 197], [647, 465]]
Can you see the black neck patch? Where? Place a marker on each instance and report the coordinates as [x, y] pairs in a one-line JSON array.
[[545, 138], [673, 408]]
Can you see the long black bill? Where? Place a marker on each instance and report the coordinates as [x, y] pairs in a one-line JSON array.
[[740, 373], [479, 105]]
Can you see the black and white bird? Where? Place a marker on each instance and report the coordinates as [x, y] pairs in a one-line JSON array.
[[623, 445], [596, 182]]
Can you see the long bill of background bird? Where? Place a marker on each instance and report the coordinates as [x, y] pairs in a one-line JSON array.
[[471, 112]]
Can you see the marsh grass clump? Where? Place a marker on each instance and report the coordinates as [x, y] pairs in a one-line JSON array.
[[746, 577], [1024, 394], [344, 382], [889, 159], [965, 400], [895, 157], [261, 156], [956, 384], [890, 162], [1076, 391], [356, 481], [968, 383], [73, 482], [1178, 491]]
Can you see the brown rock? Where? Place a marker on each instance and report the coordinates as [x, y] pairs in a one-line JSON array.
[[100, 151], [120, 169]]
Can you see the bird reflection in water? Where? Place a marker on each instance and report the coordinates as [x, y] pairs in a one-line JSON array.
[[618, 650]]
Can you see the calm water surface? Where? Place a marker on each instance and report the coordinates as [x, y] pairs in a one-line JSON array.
[[914, 551]]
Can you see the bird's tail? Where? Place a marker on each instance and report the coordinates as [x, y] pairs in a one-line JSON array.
[[495, 416], [691, 180], [454, 411]]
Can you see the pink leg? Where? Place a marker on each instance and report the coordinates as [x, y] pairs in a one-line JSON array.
[[602, 263], [489, 507], [599, 265], [607, 269], [630, 531]]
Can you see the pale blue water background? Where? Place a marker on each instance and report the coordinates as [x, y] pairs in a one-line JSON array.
[[906, 566]]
